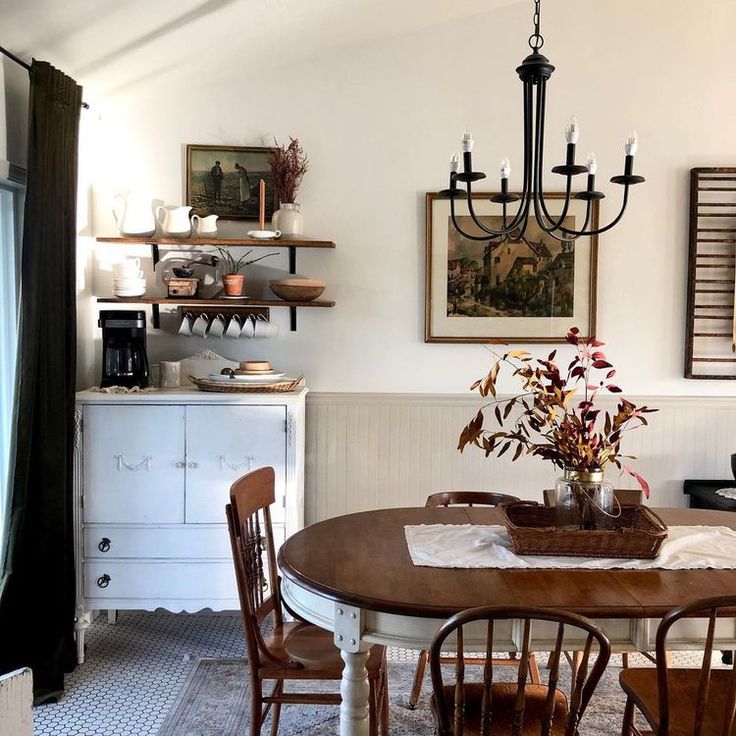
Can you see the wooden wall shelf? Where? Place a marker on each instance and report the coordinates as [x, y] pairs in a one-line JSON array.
[[194, 301], [299, 242]]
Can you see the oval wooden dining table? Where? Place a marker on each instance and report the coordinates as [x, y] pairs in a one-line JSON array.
[[353, 575]]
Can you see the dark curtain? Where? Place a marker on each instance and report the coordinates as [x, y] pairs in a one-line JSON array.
[[37, 587]]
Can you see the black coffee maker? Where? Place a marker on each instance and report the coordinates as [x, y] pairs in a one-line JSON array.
[[124, 359]]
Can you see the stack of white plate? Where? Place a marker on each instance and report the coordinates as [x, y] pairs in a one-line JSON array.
[[272, 377], [129, 286]]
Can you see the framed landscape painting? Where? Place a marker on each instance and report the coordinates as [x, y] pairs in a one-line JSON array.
[[530, 289], [224, 180]]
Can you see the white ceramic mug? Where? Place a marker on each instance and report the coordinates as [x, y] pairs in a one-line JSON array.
[[170, 374], [233, 327], [217, 326], [129, 268], [264, 328], [204, 226], [185, 328], [199, 328], [249, 328]]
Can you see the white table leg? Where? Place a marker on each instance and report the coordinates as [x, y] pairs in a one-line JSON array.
[[82, 622], [354, 689]]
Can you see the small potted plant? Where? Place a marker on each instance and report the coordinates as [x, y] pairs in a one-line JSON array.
[[234, 280], [288, 166], [555, 418]]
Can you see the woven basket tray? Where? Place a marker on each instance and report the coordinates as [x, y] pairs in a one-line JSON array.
[[227, 387], [637, 534]]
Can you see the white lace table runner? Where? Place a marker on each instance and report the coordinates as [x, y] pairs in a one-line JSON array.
[[474, 545]]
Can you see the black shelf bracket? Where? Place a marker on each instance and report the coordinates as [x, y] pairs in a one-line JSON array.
[[156, 314], [292, 270]]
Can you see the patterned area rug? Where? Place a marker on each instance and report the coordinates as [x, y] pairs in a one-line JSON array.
[[214, 702]]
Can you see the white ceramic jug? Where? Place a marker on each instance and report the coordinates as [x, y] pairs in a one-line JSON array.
[[174, 220], [204, 226], [133, 213]]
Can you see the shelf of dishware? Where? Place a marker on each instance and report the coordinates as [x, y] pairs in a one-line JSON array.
[[285, 242]]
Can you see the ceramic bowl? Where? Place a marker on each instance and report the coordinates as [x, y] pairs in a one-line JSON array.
[[298, 290]]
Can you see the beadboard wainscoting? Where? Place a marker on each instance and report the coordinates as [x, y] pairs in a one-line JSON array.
[[367, 451]]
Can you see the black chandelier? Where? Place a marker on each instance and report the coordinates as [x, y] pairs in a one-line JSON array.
[[534, 72]]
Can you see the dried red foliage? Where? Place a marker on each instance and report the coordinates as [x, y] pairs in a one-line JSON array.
[[288, 166], [548, 423]]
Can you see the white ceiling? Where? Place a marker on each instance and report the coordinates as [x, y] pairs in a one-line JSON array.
[[109, 46]]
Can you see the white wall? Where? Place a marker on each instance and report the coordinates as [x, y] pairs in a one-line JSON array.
[[379, 122]]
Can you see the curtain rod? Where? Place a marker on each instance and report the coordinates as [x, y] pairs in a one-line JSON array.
[[26, 66]]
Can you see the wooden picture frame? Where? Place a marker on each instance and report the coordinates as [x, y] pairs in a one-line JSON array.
[[236, 198], [531, 291]]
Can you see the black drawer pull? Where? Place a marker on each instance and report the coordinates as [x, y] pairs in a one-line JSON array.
[[104, 545], [103, 581]]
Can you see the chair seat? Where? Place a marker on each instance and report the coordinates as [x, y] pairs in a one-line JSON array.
[[641, 685], [313, 648], [503, 700]]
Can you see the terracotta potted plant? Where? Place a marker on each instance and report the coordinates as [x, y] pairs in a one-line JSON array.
[[234, 280], [288, 166], [555, 418]]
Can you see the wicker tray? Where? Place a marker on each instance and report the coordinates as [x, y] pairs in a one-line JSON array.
[[281, 387], [637, 534]]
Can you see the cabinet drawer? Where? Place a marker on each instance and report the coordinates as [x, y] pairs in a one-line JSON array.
[[203, 541], [134, 464], [123, 579]]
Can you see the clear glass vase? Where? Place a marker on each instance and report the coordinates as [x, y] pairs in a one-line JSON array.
[[584, 498]]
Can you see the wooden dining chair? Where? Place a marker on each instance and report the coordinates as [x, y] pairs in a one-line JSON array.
[[488, 708], [290, 650], [684, 702], [465, 498]]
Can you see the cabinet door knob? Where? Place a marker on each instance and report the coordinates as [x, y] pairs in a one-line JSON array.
[[103, 581], [104, 545], [181, 464], [192, 465]]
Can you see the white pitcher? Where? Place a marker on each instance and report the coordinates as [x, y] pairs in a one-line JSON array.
[[174, 220], [133, 213], [205, 226]]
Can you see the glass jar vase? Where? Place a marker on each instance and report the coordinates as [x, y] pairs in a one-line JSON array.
[[584, 498]]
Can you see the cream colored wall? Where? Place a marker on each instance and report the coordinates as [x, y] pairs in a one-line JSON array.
[[379, 121]]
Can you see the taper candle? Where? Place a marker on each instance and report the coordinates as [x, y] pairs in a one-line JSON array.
[[262, 205]]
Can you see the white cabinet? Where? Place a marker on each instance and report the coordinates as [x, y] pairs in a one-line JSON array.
[[152, 476]]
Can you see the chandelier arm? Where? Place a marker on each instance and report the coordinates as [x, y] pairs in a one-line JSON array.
[[478, 238], [605, 228], [574, 233], [492, 233]]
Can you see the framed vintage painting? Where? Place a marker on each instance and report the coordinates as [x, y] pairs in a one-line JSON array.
[[529, 290], [224, 181]]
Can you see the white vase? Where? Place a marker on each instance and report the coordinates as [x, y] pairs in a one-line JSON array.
[[289, 219]]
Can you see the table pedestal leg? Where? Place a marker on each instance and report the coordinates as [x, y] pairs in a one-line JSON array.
[[354, 689]]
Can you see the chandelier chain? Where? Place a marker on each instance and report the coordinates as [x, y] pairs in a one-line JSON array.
[[536, 40]]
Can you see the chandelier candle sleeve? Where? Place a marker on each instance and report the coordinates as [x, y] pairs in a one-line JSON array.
[[534, 73]]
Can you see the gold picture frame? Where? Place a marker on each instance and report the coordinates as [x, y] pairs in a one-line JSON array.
[[530, 291]]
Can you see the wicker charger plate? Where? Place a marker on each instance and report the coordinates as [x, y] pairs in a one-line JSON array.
[[278, 387], [637, 534]]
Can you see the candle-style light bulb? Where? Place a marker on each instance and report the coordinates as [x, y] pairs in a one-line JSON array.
[[592, 163], [632, 144], [454, 163], [572, 131], [467, 142], [505, 168]]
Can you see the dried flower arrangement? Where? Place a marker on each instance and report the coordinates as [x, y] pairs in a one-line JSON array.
[[288, 166], [549, 423]]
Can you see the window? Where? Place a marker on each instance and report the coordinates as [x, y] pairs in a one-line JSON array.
[[10, 229]]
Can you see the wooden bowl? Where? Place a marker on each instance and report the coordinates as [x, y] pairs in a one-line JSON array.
[[298, 290]]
